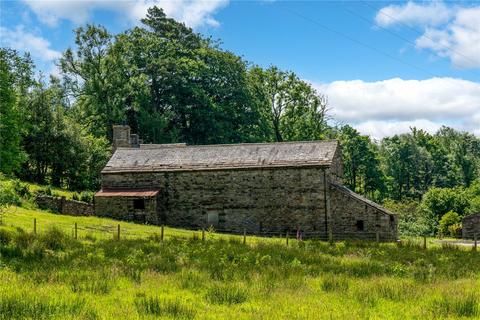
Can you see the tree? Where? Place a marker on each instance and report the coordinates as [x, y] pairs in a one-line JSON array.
[[11, 153], [295, 110], [193, 91], [360, 162], [91, 77]]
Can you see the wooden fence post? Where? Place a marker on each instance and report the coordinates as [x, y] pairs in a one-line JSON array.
[[161, 233], [424, 242], [330, 236], [34, 225], [286, 237], [475, 242], [118, 232], [244, 236], [377, 236], [203, 234], [76, 234]]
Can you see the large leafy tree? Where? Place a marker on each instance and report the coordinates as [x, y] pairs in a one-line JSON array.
[[295, 110], [361, 163], [184, 84]]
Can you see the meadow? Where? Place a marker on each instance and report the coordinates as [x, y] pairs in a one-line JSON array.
[[51, 275]]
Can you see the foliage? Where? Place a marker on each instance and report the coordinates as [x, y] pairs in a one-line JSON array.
[[62, 278], [448, 220], [8, 197]]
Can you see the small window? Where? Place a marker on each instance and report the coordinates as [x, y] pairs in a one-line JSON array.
[[360, 225], [212, 219], [139, 204]]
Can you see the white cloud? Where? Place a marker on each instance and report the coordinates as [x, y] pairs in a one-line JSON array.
[[392, 106], [22, 40], [449, 31], [431, 13], [459, 40], [194, 13]]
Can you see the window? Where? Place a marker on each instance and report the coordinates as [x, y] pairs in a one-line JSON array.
[[360, 225], [139, 204], [212, 218]]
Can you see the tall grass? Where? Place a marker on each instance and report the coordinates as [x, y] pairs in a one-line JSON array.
[[50, 275]]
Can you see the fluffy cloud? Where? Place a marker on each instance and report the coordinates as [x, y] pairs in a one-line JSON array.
[[452, 32], [392, 106], [459, 40], [22, 40], [194, 13], [432, 13]]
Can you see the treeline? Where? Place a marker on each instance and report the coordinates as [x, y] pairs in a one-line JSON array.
[[167, 82], [171, 84]]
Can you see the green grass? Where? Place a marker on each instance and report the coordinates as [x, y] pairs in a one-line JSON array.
[[50, 275]]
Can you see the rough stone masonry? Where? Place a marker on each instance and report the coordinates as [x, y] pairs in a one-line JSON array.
[[263, 188]]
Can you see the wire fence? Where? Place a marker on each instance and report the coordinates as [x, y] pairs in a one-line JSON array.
[[160, 233]]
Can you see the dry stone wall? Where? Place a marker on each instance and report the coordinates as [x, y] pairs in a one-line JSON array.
[[471, 226], [64, 206]]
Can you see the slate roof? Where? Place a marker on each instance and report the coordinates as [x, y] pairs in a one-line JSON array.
[[361, 198], [226, 156]]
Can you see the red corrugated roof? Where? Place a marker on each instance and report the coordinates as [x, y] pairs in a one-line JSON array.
[[126, 193]]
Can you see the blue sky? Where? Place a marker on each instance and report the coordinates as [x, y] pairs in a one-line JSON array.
[[384, 66]]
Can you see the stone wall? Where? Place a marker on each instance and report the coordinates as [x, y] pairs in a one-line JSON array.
[[64, 206], [259, 200], [356, 217], [122, 208], [471, 226]]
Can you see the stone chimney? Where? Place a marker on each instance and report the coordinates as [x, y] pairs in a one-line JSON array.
[[121, 137]]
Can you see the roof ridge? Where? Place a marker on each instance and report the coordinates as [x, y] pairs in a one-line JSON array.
[[173, 145]]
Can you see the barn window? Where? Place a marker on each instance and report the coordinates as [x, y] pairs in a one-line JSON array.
[[139, 204], [212, 218], [360, 225]]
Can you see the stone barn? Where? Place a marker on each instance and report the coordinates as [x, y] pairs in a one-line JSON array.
[[263, 188], [471, 226]]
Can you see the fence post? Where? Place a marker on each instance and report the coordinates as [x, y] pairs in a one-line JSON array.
[[330, 236], [75, 231], [377, 236], [161, 233], [34, 225], [244, 236], [203, 234], [286, 237], [424, 242], [474, 242], [118, 232]]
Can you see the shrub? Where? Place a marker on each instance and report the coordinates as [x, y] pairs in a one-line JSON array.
[[86, 196], [54, 239], [226, 294], [449, 219], [8, 197], [458, 305], [22, 189], [455, 230], [170, 308]]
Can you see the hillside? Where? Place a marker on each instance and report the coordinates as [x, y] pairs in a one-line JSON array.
[[51, 275]]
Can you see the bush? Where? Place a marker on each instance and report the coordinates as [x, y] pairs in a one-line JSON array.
[[8, 197], [226, 294], [22, 189], [86, 196], [449, 219], [455, 230], [170, 308]]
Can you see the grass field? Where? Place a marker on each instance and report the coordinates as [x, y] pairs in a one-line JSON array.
[[50, 275]]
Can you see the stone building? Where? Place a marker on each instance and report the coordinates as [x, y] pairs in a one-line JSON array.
[[262, 188], [471, 226]]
